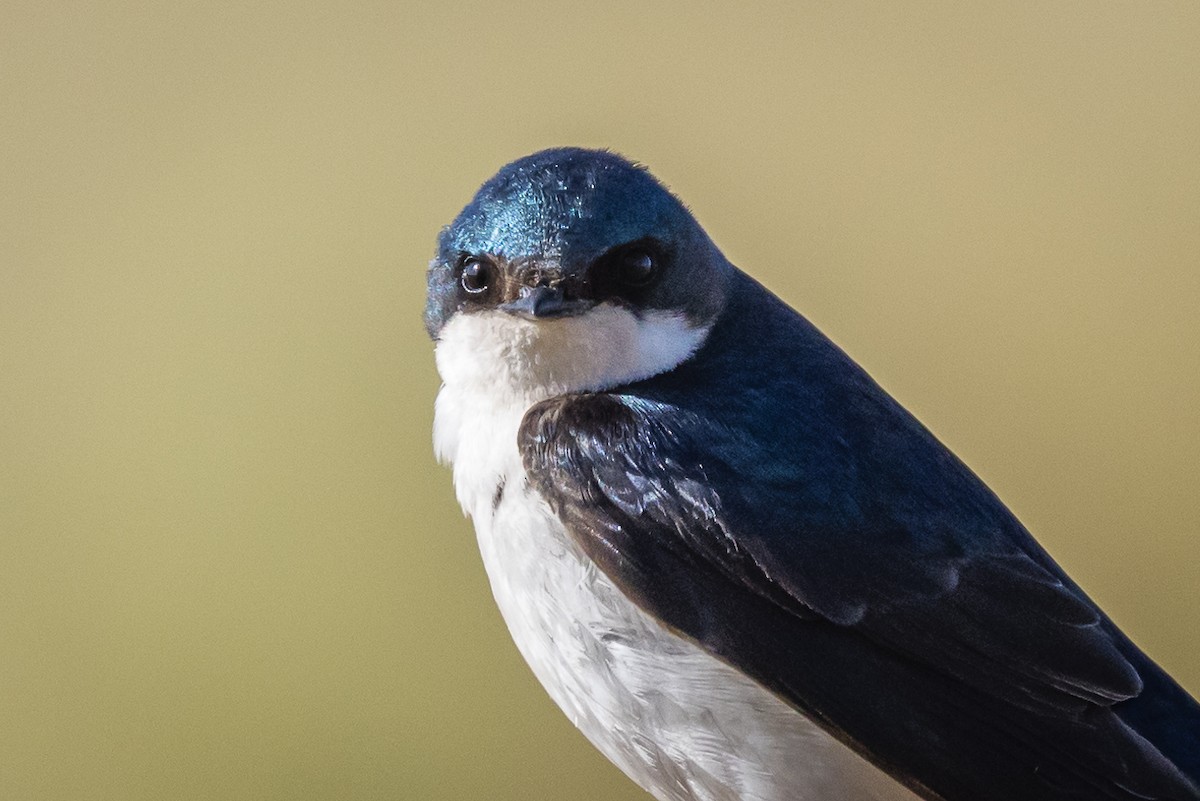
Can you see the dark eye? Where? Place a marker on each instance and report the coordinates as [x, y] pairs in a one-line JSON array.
[[477, 276], [636, 267]]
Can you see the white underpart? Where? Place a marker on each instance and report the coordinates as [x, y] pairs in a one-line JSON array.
[[682, 724]]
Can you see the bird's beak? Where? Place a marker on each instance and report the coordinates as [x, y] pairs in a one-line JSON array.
[[546, 303]]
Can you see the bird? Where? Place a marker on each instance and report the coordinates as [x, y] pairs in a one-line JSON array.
[[740, 567]]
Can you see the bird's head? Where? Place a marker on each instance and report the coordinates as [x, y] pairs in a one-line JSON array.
[[571, 270]]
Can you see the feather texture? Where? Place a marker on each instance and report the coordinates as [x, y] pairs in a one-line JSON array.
[[812, 533]]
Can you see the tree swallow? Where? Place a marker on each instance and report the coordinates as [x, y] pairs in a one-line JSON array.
[[740, 567]]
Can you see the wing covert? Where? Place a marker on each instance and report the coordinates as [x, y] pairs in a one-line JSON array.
[[823, 592]]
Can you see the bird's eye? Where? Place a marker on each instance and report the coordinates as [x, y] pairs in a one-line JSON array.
[[636, 268], [477, 276]]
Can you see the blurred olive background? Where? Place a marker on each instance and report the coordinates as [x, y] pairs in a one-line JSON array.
[[229, 567]]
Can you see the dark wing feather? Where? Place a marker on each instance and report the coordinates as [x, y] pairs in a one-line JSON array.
[[934, 637]]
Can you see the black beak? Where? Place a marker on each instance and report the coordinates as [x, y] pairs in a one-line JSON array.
[[546, 303]]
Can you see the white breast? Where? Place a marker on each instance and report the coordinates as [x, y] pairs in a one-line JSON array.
[[682, 724]]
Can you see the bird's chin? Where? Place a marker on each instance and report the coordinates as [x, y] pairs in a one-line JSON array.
[[578, 350]]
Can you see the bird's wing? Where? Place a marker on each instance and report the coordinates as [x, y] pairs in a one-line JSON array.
[[946, 648]]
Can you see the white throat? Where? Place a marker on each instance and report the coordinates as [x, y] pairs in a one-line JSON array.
[[494, 366], [602, 348]]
